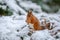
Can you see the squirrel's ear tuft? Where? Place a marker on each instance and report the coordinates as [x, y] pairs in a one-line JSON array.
[[29, 11]]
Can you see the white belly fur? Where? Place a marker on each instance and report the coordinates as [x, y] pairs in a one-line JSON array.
[[31, 26]]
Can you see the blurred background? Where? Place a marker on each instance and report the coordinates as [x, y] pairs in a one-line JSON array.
[[13, 24], [20, 7]]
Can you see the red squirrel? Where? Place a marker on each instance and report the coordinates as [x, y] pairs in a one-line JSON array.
[[31, 19]]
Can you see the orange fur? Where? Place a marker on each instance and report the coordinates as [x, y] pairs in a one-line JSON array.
[[33, 20]]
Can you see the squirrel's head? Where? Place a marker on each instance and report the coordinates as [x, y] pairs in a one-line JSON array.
[[29, 16]]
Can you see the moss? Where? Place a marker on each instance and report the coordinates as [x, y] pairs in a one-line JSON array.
[[37, 1], [5, 12], [56, 2], [53, 5]]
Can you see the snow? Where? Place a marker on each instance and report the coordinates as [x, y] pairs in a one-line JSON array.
[[12, 4], [14, 27], [9, 27], [4, 7], [42, 35], [29, 5]]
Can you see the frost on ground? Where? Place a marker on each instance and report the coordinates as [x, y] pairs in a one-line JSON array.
[[15, 28]]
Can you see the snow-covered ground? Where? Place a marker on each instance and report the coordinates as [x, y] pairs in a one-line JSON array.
[[15, 28]]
